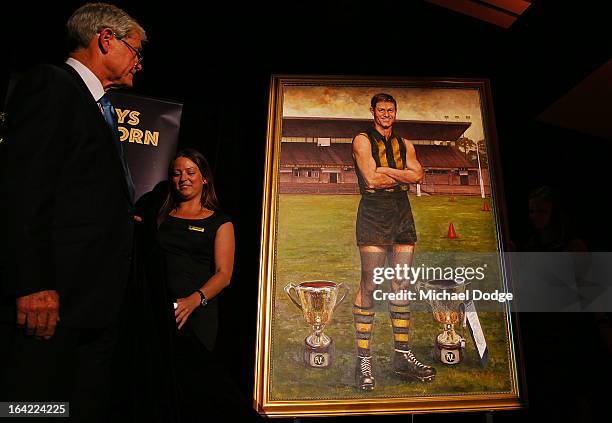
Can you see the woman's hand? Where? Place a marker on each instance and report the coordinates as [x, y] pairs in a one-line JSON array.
[[186, 306]]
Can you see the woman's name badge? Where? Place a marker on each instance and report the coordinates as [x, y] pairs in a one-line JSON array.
[[196, 228]]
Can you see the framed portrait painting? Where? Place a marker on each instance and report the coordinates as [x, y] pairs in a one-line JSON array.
[[383, 284]]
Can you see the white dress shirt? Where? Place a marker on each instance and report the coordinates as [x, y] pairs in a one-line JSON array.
[[93, 83]]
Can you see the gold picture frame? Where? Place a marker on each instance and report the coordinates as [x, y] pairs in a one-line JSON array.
[[309, 203]]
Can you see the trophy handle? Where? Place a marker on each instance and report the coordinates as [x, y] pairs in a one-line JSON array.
[[288, 291], [345, 291]]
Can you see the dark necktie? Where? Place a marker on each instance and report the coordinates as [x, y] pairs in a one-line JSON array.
[[111, 119]]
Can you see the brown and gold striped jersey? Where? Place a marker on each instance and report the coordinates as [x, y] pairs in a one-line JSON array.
[[386, 153]]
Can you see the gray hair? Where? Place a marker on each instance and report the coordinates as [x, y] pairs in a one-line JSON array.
[[90, 18]]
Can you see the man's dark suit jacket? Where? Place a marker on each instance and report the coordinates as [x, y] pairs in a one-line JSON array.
[[65, 215]]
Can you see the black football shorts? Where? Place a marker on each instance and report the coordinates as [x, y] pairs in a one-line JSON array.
[[385, 219]]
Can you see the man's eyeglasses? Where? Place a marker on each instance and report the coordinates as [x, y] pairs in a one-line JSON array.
[[134, 50]]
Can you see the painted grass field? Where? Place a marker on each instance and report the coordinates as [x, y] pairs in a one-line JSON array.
[[316, 240]]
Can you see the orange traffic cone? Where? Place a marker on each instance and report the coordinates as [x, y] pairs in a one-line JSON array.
[[451, 231], [485, 206]]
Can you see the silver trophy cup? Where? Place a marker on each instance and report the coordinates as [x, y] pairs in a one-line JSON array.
[[449, 346], [317, 300]]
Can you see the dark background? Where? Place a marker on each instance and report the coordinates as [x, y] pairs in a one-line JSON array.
[[218, 62]]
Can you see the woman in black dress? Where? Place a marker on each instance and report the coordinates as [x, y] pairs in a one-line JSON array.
[[185, 255], [197, 241], [198, 244]]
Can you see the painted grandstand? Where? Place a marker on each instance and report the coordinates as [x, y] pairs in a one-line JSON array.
[[316, 156]]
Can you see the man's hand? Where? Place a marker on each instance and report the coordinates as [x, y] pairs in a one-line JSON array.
[[39, 313]]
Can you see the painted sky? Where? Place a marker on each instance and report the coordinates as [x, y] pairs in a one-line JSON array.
[[412, 104]]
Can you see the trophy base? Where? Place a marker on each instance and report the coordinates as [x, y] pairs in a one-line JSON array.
[[319, 357], [450, 354]]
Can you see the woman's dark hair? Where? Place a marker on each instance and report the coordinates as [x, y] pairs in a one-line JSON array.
[[209, 197]]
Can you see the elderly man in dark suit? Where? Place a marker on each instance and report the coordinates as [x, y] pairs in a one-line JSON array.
[[66, 217]]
